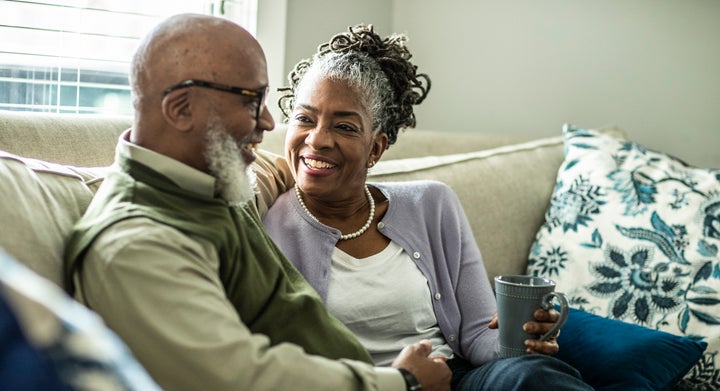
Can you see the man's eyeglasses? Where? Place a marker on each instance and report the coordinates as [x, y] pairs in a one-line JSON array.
[[260, 94]]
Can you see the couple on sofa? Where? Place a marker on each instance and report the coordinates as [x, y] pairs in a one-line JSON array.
[[173, 255]]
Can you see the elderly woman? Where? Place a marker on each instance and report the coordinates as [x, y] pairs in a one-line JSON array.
[[395, 262]]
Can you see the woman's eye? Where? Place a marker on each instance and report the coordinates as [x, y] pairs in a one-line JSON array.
[[346, 128], [301, 118]]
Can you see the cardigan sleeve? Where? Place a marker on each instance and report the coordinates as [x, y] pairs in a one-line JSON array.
[[474, 295]]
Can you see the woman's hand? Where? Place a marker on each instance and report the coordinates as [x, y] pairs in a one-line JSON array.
[[545, 320]]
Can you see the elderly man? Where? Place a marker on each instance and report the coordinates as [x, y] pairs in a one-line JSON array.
[[171, 252]]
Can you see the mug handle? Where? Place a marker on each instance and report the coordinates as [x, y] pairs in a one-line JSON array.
[[564, 308]]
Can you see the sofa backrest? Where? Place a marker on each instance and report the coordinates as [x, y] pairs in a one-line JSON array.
[[89, 140], [79, 140], [504, 192]]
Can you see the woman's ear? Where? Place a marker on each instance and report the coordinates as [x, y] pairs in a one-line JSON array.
[[177, 110], [380, 143]]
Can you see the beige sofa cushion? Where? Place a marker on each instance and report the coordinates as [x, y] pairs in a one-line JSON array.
[[80, 140], [41, 202], [504, 192]]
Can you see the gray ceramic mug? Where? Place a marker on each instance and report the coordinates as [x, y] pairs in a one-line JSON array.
[[518, 297]]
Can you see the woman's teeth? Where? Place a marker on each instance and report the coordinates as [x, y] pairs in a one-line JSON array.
[[317, 163]]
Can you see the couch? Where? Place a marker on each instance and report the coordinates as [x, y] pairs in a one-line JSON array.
[[51, 165]]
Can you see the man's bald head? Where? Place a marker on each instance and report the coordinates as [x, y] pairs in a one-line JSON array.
[[196, 47], [191, 46]]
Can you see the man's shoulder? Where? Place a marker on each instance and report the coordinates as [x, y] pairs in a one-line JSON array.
[[143, 232], [136, 227]]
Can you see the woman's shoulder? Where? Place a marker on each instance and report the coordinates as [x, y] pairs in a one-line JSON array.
[[418, 194], [414, 189]]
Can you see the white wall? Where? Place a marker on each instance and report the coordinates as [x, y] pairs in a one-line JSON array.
[[651, 67], [305, 25], [271, 32], [312, 22]]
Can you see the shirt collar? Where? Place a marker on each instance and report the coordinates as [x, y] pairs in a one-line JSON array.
[[186, 177]]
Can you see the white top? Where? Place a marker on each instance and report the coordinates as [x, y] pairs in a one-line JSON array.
[[384, 324]]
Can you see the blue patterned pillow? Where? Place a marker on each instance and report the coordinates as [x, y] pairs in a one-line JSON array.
[[634, 234]]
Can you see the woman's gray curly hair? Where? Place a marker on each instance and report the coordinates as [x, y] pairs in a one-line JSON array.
[[379, 68]]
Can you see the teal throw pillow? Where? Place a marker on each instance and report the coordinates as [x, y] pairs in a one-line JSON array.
[[612, 355]]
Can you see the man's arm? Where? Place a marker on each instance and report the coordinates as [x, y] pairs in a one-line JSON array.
[[160, 291], [273, 178]]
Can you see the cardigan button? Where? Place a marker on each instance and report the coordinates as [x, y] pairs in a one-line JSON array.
[[438, 296], [381, 225], [416, 255], [451, 337]]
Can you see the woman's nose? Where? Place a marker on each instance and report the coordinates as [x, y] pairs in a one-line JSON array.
[[319, 137]]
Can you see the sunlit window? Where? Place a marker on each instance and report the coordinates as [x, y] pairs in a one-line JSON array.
[[72, 56]]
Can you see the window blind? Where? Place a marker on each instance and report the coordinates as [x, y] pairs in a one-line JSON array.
[[72, 56]]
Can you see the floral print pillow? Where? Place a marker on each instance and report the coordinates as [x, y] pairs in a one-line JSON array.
[[634, 234]]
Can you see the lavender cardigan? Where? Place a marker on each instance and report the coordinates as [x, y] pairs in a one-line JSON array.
[[427, 220]]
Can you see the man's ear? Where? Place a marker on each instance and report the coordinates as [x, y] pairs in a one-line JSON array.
[[177, 109]]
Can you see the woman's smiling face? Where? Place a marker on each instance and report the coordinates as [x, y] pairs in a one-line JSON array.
[[330, 141]]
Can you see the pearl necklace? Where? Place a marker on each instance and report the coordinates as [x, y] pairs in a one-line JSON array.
[[347, 236]]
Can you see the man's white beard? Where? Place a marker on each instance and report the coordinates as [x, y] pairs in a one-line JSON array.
[[235, 178]]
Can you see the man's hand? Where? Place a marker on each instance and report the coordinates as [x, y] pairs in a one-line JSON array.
[[546, 319], [432, 373]]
